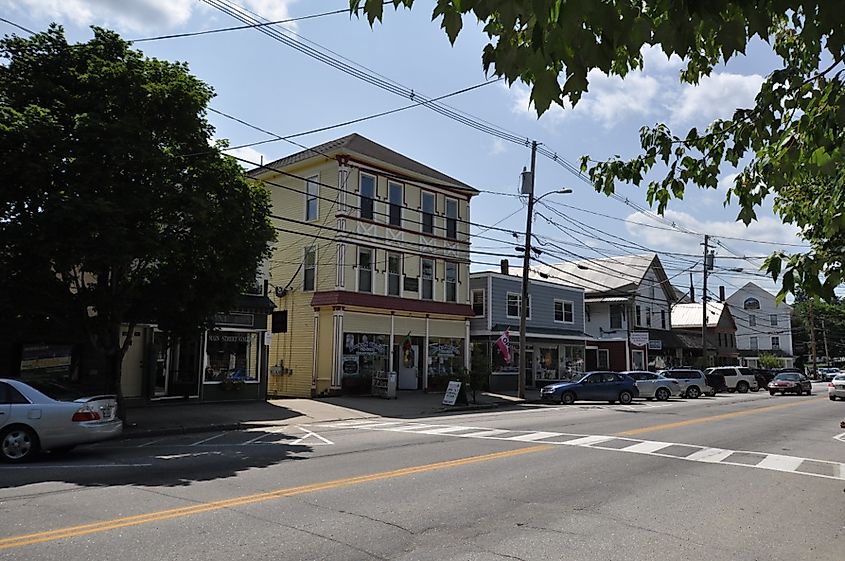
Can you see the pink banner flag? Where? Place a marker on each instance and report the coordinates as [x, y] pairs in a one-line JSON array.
[[504, 343]]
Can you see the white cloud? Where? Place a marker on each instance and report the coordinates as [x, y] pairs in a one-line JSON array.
[[655, 60], [715, 96], [766, 229], [497, 147], [252, 156], [608, 100], [135, 15], [727, 182]]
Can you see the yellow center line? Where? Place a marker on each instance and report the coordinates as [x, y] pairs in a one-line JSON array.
[[157, 516], [711, 418]]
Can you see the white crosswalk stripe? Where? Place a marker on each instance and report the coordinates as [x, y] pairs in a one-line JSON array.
[[702, 454]]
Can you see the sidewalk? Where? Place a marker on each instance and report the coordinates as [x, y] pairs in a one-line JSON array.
[[157, 420]]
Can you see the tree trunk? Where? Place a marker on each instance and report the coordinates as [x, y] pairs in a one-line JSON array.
[[116, 380]]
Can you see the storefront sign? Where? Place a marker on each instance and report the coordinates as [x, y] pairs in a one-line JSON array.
[[268, 338], [230, 337], [234, 318], [452, 391], [443, 350], [655, 344], [639, 338], [368, 348]]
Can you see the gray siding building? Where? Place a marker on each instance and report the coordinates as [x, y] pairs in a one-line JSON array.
[[555, 337]]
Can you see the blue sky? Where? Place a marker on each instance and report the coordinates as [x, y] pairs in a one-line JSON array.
[[279, 89]]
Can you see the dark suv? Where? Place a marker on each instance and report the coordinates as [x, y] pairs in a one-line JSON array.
[[693, 382]]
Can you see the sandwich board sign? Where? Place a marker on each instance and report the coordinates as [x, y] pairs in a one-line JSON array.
[[452, 391]]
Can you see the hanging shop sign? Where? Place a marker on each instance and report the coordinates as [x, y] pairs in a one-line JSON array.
[[639, 338]]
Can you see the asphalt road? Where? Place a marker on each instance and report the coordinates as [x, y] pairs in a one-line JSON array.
[[736, 477]]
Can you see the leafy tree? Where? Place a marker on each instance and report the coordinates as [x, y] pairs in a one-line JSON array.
[[770, 361], [115, 208], [789, 144]]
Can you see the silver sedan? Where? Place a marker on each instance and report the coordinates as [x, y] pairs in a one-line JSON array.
[[836, 388], [31, 421], [655, 386]]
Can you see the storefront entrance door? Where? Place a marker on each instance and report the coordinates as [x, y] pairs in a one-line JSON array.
[[529, 368], [407, 362], [161, 344]]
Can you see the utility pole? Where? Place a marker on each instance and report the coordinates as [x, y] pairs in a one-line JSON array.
[[708, 264], [812, 322], [527, 185], [826, 349]]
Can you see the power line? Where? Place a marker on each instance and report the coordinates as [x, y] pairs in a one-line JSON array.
[[19, 26]]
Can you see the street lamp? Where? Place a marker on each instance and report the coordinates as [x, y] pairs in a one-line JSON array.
[[528, 189]]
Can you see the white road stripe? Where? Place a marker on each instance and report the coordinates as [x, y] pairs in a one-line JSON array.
[[446, 430], [212, 437], [709, 455], [484, 433], [310, 434], [781, 463], [646, 447], [411, 428], [588, 440], [534, 436]]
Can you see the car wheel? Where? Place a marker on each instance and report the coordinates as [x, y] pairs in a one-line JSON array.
[[693, 392], [771, 392], [18, 444], [662, 394], [625, 397], [568, 398], [832, 397], [742, 387]]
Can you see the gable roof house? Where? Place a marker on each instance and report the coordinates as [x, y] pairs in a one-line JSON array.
[[763, 325], [623, 294], [720, 335]]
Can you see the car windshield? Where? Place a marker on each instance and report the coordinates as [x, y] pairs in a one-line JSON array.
[[840, 378], [790, 377]]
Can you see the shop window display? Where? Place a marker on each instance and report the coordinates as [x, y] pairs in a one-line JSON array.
[[363, 355], [231, 356]]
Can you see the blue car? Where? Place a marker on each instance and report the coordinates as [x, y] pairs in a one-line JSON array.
[[594, 386]]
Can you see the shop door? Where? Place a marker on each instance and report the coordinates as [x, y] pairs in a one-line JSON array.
[[161, 366], [407, 362], [529, 368]]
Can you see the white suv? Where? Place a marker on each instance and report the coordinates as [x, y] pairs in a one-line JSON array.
[[737, 378]]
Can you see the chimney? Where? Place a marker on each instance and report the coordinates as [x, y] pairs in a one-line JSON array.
[[504, 265], [691, 289], [721, 294]]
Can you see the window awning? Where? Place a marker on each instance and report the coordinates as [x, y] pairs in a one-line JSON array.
[[606, 299]]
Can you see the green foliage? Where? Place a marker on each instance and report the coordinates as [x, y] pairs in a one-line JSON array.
[[769, 361], [115, 208], [789, 142]]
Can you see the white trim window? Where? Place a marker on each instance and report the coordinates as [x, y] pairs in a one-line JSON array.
[[776, 343], [427, 212], [663, 319], [564, 311], [396, 200], [309, 269], [753, 342], [365, 269], [752, 320], [367, 195], [638, 316], [648, 316], [427, 279], [514, 304], [452, 219], [312, 201], [394, 274], [773, 318], [451, 281], [478, 302]]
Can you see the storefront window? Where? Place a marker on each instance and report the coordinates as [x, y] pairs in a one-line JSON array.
[[547, 365], [571, 362], [445, 357], [363, 355], [231, 355]]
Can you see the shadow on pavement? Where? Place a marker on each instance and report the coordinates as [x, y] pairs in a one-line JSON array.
[[170, 463]]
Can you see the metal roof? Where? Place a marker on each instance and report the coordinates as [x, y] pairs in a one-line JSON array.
[[690, 315]]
